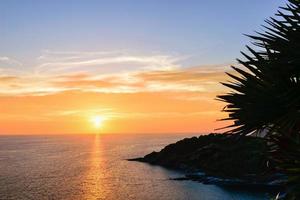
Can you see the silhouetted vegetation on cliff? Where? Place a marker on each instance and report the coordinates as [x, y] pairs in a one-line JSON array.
[[215, 154], [265, 93]]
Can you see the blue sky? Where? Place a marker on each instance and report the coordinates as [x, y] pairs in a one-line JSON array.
[[144, 66], [203, 32]]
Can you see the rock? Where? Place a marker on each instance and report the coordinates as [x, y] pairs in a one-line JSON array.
[[219, 159]]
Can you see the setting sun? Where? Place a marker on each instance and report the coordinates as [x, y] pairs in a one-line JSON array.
[[125, 99], [97, 121]]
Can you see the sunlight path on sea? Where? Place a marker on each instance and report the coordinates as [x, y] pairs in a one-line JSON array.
[[80, 167], [93, 186]]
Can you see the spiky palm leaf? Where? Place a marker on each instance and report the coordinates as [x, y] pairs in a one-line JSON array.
[[266, 95], [272, 77]]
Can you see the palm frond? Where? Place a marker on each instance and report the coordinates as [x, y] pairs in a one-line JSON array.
[[265, 95]]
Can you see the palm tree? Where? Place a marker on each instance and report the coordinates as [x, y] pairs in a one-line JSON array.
[[266, 93]]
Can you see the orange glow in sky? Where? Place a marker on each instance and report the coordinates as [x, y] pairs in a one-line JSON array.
[[97, 121], [152, 101], [77, 68]]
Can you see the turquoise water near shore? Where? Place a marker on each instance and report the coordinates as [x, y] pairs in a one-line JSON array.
[[95, 167]]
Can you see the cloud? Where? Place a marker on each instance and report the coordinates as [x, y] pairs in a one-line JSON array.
[[187, 79], [82, 112], [7, 79], [9, 62], [184, 80], [102, 62], [100, 72], [4, 59]]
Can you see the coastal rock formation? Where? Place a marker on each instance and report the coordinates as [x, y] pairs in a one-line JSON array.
[[219, 159]]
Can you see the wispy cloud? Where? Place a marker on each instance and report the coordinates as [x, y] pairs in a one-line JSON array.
[[8, 62], [101, 72], [102, 62]]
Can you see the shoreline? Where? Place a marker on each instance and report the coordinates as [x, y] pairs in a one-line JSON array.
[[274, 184], [219, 160]]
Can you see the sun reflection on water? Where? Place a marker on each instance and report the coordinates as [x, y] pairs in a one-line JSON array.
[[93, 184]]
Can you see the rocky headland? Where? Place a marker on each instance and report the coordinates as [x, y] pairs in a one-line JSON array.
[[220, 159]]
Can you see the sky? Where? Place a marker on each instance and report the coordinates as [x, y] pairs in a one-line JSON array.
[[141, 66]]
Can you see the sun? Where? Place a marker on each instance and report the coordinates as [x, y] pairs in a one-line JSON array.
[[97, 121]]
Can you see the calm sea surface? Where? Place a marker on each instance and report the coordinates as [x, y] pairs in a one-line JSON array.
[[90, 167]]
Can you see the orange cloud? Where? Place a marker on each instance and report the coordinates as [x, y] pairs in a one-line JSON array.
[[148, 99], [5, 79], [190, 79]]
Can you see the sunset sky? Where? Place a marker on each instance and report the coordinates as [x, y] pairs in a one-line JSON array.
[[141, 66]]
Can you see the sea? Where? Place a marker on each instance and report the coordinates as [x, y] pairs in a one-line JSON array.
[[75, 167]]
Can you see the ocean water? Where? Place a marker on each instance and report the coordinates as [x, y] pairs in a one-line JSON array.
[[95, 167]]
